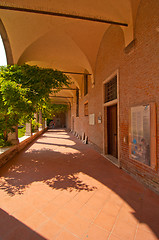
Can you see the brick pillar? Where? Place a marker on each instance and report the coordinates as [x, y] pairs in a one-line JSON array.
[[45, 123], [13, 137], [40, 121], [28, 129]]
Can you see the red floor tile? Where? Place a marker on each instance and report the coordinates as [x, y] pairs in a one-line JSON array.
[[58, 188], [49, 230], [88, 212], [141, 234], [112, 237], [50, 210], [74, 206], [95, 232], [78, 226], [128, 217], [105, 221], [24, 212], [63, 216], [36, 220], [64, 235], [124, 231]]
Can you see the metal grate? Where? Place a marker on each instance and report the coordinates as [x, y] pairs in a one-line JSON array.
[[85, 84], [110, 90]]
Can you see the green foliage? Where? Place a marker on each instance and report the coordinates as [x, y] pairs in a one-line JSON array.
[[34, 124], [59, 108], [21, 132], [24, 90], [13, 105], [52, 109], [3, 143], [38, 81]]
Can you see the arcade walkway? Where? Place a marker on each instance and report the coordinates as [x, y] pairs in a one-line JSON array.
[[60, 189]]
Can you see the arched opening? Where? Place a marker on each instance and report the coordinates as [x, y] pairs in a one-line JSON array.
[[3, 58], [6, 45]]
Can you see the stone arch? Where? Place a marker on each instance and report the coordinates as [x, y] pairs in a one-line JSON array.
[[6, 43]]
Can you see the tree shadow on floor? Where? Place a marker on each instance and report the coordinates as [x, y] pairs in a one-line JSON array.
[[62, 171], [58, 171]]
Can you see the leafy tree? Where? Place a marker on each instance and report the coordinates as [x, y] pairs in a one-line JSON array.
[[52, 109], [59, 108], [24, 90], [13, 106], [39, 81]]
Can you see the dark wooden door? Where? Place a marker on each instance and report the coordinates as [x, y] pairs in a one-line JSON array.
[[112, 130]]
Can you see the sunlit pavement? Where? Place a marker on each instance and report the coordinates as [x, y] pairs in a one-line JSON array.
[[59, 188]]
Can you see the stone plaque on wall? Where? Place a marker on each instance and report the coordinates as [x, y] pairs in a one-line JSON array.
[[92, 119]]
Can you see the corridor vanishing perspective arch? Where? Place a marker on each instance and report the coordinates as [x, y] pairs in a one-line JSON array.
[[90, 41]]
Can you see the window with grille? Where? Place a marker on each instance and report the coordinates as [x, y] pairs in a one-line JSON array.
[[110, 90], [85, 84], [86, 109]]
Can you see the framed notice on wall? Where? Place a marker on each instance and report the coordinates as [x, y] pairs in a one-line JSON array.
[[142, 140]]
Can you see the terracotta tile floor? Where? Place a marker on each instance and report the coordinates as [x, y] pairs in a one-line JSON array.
[[60, 189]]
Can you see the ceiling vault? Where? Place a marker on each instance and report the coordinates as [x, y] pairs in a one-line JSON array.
[[66, 15]]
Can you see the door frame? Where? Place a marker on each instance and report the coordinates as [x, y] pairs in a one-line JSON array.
[[112, 129], [105, 105]]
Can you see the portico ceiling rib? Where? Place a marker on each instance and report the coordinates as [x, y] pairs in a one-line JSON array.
[[64, 36], [64, 15]]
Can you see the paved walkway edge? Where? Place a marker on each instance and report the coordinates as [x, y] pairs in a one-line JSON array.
[[12, 151]]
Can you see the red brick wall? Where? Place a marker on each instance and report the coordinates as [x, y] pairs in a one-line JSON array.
[[138, 84]]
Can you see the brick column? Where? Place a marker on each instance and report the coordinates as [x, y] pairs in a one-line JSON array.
[[28, 129], [36, 120], [45, 123], [40, 121]]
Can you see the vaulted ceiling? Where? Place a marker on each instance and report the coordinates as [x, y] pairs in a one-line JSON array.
[[64, 43]]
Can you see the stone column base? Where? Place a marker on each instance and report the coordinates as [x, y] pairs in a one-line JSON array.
[[13, 137]]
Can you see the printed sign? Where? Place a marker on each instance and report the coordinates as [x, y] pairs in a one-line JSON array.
[[140, 134]]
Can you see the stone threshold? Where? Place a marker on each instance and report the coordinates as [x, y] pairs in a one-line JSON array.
[[112, 160], [8, 153]]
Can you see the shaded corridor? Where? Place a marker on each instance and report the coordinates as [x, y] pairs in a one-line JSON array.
[[58, 188]]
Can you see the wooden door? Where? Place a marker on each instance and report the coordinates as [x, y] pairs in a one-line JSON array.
[[112, 130]]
